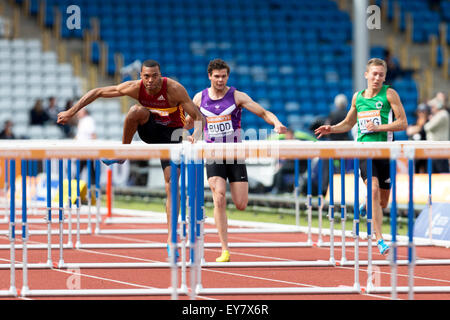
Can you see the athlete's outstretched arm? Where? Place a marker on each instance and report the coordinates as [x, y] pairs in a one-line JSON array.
[[125, 88], [243, 99], [343, 126]]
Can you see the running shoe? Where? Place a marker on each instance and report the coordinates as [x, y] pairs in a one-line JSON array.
[[225, 257], [383, 247], [109, 162], [362, 210]]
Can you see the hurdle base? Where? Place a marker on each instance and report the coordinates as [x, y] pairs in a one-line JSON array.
[[278, 290], [417, 289], [12, 291], [198, 289], [102, 292], [24, 292]]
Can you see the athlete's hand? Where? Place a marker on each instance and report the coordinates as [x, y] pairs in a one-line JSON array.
[[280, 129], [191, 139], [64, 117], [371, 127], [322, 131]]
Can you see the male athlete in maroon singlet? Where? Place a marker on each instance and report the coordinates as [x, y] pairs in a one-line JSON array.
[[157, 116]]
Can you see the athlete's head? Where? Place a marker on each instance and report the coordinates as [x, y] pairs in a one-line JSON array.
[[218, 73], [375, 74], [151, 74]]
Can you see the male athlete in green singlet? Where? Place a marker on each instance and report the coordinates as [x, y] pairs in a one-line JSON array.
[[378, 112]]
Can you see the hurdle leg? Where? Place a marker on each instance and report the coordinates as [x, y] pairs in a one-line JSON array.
[[296, 193], [343, 211], [89, 194], [183, 285], [331, 210], [12, 226], [309, 200], [192, 222], [200, 222], [25, 288], [411, 253], [393, 216], [174, 220], [69, 179], [430, 202], [356, 284], [49, 211], [320, 201], [369, 286], [35, 173], [78, 201], [6, 187], [97, 196], [61, 212]]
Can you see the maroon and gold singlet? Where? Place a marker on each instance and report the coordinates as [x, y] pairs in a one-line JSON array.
[[158, 105]]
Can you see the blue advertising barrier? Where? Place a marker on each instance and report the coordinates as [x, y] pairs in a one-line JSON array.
[[440, 222]]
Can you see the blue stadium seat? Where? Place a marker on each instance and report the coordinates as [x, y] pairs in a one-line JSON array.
[[279, 50]]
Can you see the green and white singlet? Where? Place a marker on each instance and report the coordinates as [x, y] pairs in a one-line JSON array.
[[378, 110]]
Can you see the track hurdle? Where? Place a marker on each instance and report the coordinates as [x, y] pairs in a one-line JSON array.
[[343, 212], [323, 154], [392, 152], [173, 291], [12, 231]]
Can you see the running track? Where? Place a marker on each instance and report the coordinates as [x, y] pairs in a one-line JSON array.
[[214, 277]]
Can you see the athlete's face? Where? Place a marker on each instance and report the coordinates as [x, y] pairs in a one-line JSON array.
[[375, 76], [151, 77], [219, 79]]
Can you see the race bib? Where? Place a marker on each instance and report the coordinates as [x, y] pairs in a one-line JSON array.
[[219, 126], [365, 116], [161, 113]]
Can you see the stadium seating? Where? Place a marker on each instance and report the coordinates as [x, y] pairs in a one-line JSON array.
[[425, 19], [270, 45], [27, 74], [295, 55]]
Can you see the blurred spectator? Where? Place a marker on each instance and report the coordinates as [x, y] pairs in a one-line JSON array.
[[86, 132], [393, 67], [7, 132], [417, 132], [85, 127], [337, 115], [442, 97], [52, 109], [434, 5], [285, 167], [5, 27], [437, 129], [69, 127], [38, 116]]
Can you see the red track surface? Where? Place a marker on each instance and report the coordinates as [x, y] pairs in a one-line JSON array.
[[47, 279]]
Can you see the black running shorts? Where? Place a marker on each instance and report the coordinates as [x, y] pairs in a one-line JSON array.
[[151, 133], [234, 172], [380, 169]]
